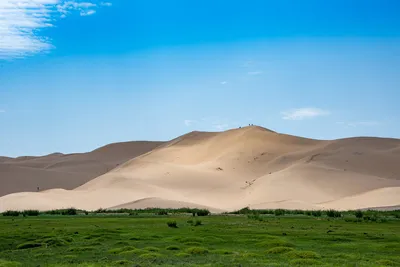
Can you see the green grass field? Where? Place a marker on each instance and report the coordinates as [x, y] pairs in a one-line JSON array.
[[218, 240]]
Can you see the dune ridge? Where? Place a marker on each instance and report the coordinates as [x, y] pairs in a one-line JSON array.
[[250, 166]]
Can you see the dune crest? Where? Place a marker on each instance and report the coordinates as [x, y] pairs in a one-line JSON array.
[[250, 166]]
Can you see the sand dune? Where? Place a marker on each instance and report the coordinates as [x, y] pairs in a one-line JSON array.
[[251, 166], [65, 171]]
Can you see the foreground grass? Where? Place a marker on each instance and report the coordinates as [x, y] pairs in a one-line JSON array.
[[226, 240]]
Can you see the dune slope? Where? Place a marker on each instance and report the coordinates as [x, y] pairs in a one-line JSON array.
[[251, 166], [65, 171]]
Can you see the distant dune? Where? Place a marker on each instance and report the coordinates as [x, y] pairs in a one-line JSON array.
[[65, 171], [251, 166]]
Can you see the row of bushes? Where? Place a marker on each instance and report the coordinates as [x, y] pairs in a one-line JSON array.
[[318, 213], [280, 212], [156, 211], [24, 213], [72, 211]]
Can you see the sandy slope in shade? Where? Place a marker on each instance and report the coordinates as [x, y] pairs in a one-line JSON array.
[[251, 166], [65, 171]]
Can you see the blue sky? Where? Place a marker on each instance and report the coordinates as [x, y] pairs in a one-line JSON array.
[[75, 75]]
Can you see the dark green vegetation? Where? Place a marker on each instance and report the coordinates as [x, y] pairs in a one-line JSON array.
[[247, 238]]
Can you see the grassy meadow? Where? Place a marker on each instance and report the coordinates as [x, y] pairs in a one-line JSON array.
[[177, 238]]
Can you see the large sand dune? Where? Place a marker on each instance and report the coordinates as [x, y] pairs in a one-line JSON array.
[[251, 166], [65, 171]]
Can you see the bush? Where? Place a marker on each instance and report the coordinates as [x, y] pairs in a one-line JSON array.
[[316, 213], [172, 224], [333, 213], [29, 245], [197, 251], [173, 248], [279, 212], [255, 216], [162, 212], [13, 213], [30, 213], [70, 211], [203, 212], [359, 214], [197, 223]]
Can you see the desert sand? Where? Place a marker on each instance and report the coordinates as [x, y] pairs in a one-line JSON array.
[[225, 171], [66, 171]]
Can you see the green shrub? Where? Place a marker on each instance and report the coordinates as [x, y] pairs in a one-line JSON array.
[[197, 223], [197, 251], [333, 213], [162, 212], [29, 245], [203, 212], [173, 248], [279, 212], [30, 213], [172, 224], [12, 213], [359, 214], [316, 213], [70, 211], [190, 221]]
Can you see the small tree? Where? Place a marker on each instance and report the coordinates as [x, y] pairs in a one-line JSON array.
[[359, 214]]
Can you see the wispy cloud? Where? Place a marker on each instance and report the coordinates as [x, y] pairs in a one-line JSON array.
[[224, 82], [254, 72], [22, 20], [87, 12], [359, 123], [106, 4], [303, 113]]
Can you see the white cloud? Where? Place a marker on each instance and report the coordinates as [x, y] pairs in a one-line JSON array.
[[303, 113], [88, 12], [105, 4], [21, 21], [359, 123], [224, 82], [254, 72]]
